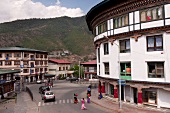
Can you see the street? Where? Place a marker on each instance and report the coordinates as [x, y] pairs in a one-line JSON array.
[[64, 91]]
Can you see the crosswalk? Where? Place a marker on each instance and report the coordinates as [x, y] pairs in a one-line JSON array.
[[61, 101]]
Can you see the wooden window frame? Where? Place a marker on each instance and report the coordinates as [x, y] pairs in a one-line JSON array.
[[106, 48], [155, 47], [153, 72], [125, 50], [106, 69], [151, 9]]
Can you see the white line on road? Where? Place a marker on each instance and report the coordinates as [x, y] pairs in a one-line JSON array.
[[64, 101], [39, 103], [60, 101], [67, 100], [55, 102], [71, 101]]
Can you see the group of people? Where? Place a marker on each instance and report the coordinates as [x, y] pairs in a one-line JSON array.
[[82, 100]]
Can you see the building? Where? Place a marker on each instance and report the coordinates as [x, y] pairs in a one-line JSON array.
[[131, 38], [32, 63], [7, 80], [59, 67], [90, 69]]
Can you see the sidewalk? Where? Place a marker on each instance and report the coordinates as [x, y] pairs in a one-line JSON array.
[[24, 104], [126, 108]]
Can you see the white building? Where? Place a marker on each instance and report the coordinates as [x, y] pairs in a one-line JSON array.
[[132, 43], [59, 67]]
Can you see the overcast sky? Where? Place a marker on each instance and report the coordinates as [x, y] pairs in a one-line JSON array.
[[24, 9]]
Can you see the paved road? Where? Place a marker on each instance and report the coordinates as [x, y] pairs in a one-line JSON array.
[[64, 99]]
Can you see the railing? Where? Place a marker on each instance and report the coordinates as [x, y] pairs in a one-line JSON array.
[[30, 93]]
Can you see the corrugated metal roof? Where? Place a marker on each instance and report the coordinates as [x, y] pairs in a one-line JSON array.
[[4, 71], [20, 49], [59, 61]]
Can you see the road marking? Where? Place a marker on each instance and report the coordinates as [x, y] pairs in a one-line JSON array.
[[72, 101], [39, 103], [60, 101], [43, 104], [63, 101], [48, 103], [55, 102], [67, 100]]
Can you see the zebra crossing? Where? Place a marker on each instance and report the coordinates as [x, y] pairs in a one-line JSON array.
[[61, 101]]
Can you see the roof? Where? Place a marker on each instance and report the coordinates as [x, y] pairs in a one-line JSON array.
[[21, 49], [102, 6], [4, 71], [59, 61], [90, 62]]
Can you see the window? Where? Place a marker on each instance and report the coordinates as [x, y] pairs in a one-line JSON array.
[[102, 28], [16, 62], [25, 70], [59, 68], [125, 46], [41, 56], [17, 54], [26, 55], [98, 54], [63, 68], [0, 63], [121, 21], [37, 56], [8, 55], [125, 69], [8, 63], [106, 67], [45, 56], [41, 62], [0, 55], [25, 62], [155, 43], [106, 48], [8, 77], [149, 97], [156, 69], [151, 14]]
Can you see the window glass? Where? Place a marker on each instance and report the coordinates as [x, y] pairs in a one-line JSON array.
[[148, 14], [143, 16], [119, 22], [160, 13], [150, 42], [158, 41], [123, 21], [115, 23], [128, 44], [126, 20], [154, 14]]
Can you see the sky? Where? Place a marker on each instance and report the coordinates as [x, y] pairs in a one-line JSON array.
[[11, 10]]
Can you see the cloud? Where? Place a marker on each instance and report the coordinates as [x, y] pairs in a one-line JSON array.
[[25, 9]]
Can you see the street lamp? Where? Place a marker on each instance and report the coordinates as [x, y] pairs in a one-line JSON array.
[[79, 71], [120, 104]]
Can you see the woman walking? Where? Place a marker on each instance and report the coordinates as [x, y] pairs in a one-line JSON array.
[[82, 104]]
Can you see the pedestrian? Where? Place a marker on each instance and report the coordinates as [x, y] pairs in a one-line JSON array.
[[88, 98], [75, 98], [83, 104]]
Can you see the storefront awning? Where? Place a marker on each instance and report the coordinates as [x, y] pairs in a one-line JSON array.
[[49, 75]]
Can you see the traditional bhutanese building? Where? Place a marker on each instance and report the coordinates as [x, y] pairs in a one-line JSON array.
[[32, 63], [132, 44]]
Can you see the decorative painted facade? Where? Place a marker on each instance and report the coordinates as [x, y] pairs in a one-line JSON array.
[[132, 44], [32, 63]]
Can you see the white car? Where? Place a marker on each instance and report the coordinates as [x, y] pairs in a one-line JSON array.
[[38, 81], [48, 95]]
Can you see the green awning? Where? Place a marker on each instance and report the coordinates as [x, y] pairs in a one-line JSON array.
[[4, 71]]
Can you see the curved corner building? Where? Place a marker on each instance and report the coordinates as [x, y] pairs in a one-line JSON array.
[[132, 41]]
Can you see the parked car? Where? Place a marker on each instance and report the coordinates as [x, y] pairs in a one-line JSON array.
[[74, 79], [39, 82], [42, 89], [67, 78], [48, 95]]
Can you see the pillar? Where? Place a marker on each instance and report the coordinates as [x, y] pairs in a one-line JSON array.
[[115, 92], [99, 87], [29, 79], [140, 101], [103, 87]]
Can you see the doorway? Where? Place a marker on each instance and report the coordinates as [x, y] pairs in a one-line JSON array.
[[135, 95]]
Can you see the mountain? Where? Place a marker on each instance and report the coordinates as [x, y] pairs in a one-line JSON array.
[[54, 34]]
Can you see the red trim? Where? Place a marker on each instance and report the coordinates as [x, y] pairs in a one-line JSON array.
[[140, 98], [115, 93], [103, 88]]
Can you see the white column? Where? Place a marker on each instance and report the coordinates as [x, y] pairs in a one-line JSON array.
[[29, 79], [90, 76], [158, 100]]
